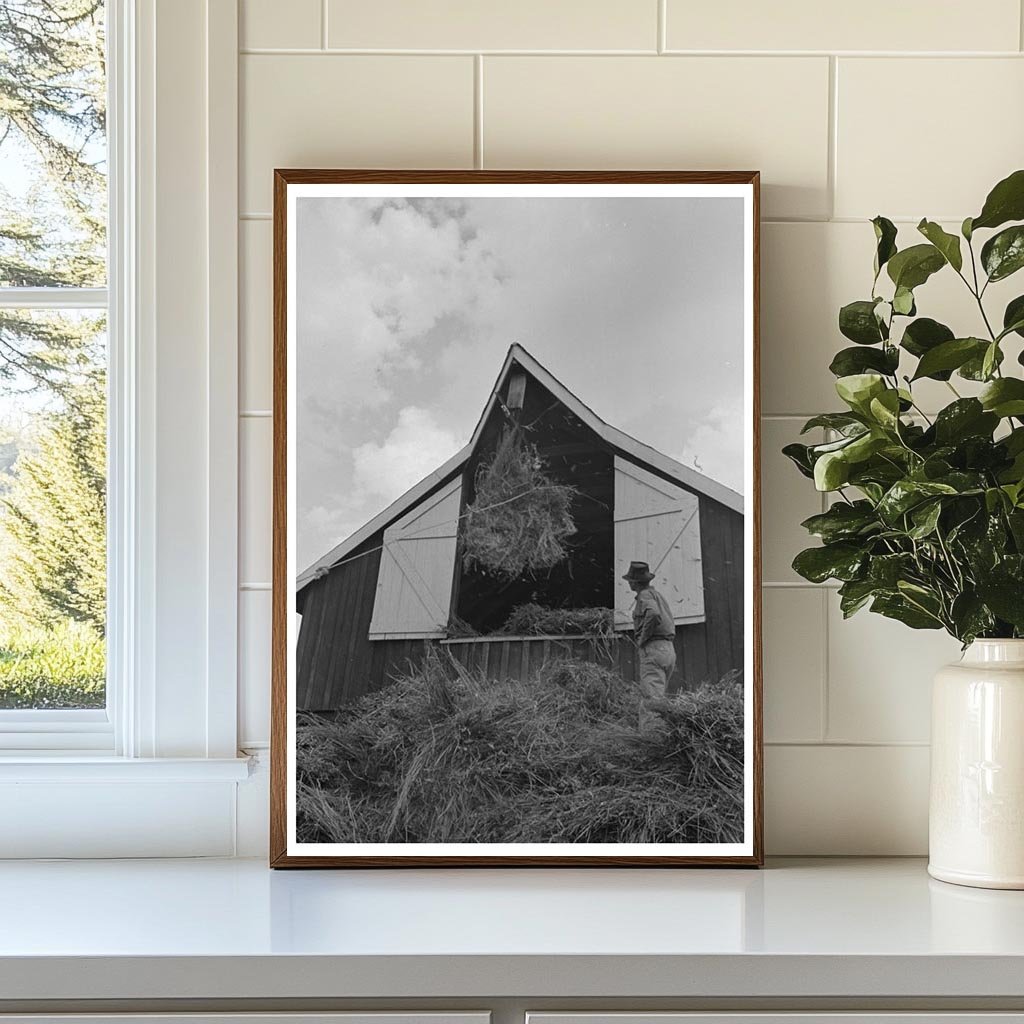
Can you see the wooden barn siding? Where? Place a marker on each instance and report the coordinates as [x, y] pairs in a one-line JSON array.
[[715, 647], [337, 663], [334, 658]]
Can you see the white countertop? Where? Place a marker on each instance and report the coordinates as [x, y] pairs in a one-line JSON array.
[[234, 929]]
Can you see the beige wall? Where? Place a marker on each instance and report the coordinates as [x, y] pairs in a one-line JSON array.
[[906, 108]]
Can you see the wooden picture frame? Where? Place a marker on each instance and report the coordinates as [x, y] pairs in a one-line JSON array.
[[285, 849]]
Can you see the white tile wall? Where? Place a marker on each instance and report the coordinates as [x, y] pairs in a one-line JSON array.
[[256, 306], [472, 25], [693, 112], [969, 109], [873, 25], [351, 111], [926, 116], [261, 24]]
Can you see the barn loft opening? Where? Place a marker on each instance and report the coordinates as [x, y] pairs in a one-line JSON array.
[[570, 454]]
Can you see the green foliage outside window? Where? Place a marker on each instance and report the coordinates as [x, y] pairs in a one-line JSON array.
[[52, 364], [927, 521]]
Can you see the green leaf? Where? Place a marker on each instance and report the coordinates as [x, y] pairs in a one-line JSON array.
[[949, 356], [924, 334], [970, 617], [854, 594], [925, 518], [857, 321], [841, 561], [864, 446], [842, 521], [965, 229], [849, 361], [899, 608], [947, 244], [912, 267], [887, 570], [991, 360], [841, 421], [903, 302], [1004, 397], [1003, 254], [1005, 202], [906, 494], [885, 409], [831, 471], [1005, 596], [799, 455], [966, 417], [858, 389], [974, 368], [1013, 317], [885, 237]]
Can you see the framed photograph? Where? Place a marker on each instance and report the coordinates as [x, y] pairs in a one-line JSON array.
[[516, 615]]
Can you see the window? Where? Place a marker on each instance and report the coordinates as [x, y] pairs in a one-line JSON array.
[[53, 368]]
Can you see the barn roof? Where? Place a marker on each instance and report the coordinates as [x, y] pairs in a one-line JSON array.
[[621, 441]]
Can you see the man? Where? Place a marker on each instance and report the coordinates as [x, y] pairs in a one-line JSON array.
[[654, 631]]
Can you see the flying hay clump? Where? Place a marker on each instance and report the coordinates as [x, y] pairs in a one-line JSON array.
[[520, 519]]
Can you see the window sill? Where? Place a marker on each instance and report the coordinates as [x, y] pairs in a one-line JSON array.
[[78, 767]]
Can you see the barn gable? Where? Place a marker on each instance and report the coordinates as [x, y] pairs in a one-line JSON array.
[[519, 359], [632, 503]]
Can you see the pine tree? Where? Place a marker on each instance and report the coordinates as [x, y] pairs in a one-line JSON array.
[[53, 234], [53, 122], [53, 521]]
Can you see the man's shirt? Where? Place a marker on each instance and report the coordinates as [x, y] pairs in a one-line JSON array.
[[652, 617]]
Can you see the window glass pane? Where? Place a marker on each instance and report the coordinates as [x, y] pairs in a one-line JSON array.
[[52, 509], [53, 151]]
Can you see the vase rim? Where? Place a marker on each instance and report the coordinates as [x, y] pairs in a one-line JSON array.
[[995, 652]]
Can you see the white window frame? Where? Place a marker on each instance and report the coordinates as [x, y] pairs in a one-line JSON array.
[[172, 459], [63, 730]]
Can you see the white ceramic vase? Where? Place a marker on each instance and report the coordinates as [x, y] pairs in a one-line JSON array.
[[976, 816]]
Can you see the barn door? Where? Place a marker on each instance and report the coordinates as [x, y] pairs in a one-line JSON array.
[[417, 566], [659, 523]]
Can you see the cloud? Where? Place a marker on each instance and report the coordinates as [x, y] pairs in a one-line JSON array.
[[373, 279], [410, 305], [415, 447], [715, 447]]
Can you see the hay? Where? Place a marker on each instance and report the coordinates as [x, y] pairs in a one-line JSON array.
[[446, 755], [520, 518], [537, 620]]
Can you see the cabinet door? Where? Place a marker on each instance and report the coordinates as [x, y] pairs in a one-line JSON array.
[[784, 1017], [361, 1017]]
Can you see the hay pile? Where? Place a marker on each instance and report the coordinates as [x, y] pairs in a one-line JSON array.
[[445, 755], [520, 518], [537, 620]]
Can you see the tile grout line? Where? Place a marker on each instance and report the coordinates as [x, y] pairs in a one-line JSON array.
[[662, 29], [1020, 25], [855, 744], [478, 111], [260, 215], [832, 148], [323, 24], [341, 51], [824, 724], [826, 689]]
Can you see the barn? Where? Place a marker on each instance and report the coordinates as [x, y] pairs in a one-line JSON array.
[[371, 606]]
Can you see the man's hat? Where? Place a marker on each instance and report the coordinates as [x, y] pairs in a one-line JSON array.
[[639, 572]]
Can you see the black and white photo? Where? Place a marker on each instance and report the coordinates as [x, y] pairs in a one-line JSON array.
[[515, 598]]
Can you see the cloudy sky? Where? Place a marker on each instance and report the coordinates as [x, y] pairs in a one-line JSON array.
[[406, 308]]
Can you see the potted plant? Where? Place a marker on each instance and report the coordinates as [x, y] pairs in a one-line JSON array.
[[926, 524]]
